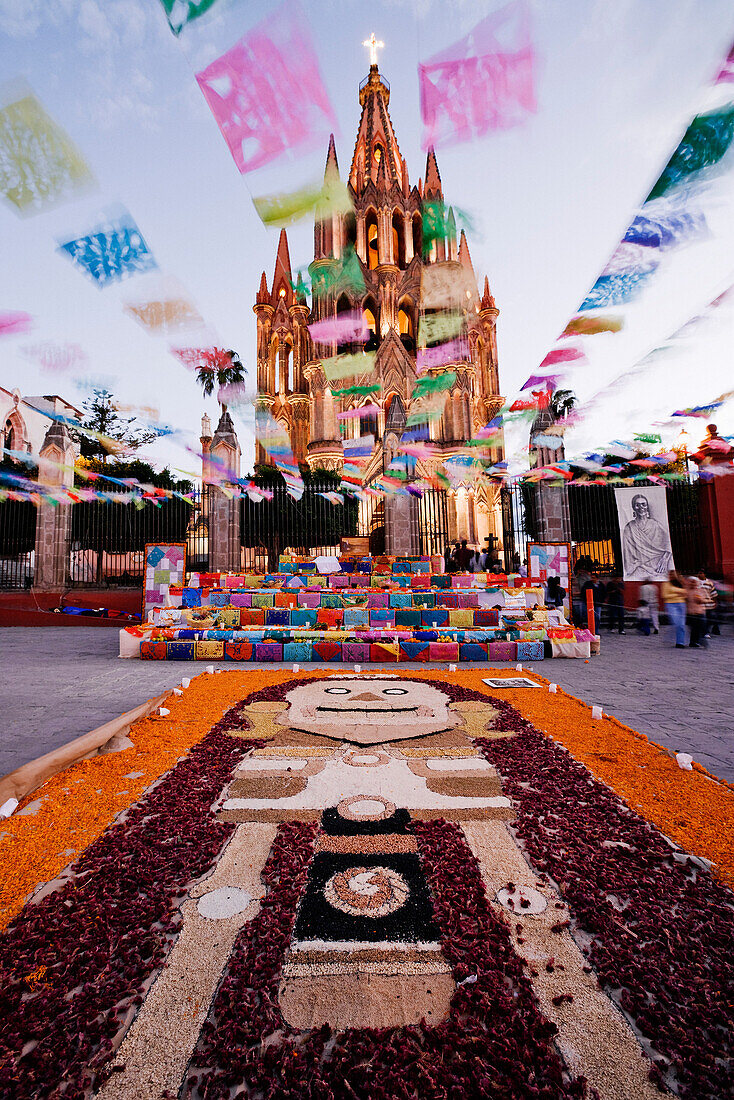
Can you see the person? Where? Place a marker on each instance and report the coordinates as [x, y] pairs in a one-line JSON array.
[[452, 561], [446, 557], [674, 598], [615, 604], [463, 556], [554, 593], [709, 594], [644, 622], [645, 543], [484, 559], [696, 612], [523, 570], [649, 593], [475, 563]]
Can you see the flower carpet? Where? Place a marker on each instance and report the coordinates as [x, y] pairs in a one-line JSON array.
[[389, 884]]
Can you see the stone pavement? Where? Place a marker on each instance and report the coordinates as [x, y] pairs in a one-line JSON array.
[[59, 683]]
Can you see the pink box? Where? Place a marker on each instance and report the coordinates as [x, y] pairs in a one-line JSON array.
[[502, 651], [443, 651], [309, 599], [241, 599], [468, 599], [461, 580], [235, 581], [378, 601]]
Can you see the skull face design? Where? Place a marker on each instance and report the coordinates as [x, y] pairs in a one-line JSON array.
[[368, 711]]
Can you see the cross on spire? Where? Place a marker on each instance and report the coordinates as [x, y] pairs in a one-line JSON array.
[[374, 46]]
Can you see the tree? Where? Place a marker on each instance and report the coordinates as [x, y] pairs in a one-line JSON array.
[[221, 367], [561, 404], [101, 416], [135, 468]]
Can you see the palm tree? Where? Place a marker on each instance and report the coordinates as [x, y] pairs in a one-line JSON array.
[[561, 404], [219, 367]]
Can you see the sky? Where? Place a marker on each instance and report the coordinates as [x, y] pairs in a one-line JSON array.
[[616, 86]]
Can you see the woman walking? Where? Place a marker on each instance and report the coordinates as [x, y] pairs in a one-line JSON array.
[[674, 599], [696, 608]]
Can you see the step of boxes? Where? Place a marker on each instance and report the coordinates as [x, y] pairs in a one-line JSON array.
[[373, 610]]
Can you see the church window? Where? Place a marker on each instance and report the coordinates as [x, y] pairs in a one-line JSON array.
[[372, 245], [350, 231], [398, 239], [378, 155], [369, 314], [405, 317], [9, 436], [417, 235]]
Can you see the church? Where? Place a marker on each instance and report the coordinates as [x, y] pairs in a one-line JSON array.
[[401, 281]]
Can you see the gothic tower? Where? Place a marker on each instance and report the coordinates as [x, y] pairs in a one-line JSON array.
[[398, 283]]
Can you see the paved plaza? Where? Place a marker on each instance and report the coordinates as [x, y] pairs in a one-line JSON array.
[[60, 683]]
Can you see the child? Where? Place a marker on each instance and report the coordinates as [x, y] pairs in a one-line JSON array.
[[644, 619]]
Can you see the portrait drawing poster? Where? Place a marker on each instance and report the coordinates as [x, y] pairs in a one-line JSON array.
[[644, 533]]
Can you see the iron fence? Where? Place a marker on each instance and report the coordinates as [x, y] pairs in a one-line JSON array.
[[595, 526], [17, 543], [311, 525], [433, 526], [107, 540]]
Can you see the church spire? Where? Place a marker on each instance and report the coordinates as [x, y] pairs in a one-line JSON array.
[[464, 257], [331, 171], [432, 188], [282, 276], [376, 142]]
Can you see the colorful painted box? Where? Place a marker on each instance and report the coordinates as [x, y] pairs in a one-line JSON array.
[[424, 599], [252, 616], [209, 651], [332, 616], [378, 601], [502, 651], [437, 616], [309, 599], [400, 599], [297, 651], [234, 580], [238, 651], [485, 616], [286, 599], [472, 651], [153, 651], [241, 599], [356, 617], [420, 580], [443, 651], [268, 651], [384, 651], [530, 651], [441, 580], [356, 652], [277, 616], [468, 599], [327, 651], [191, 597], [263, 599], [227, 618], [414, 651], [331, 599], [461, 619], [447, 599], [408, 616], [382, 616], [303, 616], [218, 597]]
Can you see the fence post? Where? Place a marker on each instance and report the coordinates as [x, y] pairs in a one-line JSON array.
[[225, 553], [554, 520], [402, 525], [53, 524]]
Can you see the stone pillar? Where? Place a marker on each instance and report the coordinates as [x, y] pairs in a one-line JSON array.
[[53, 525], [554, 519], [716, 517], [225, 553], [402, 525]]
